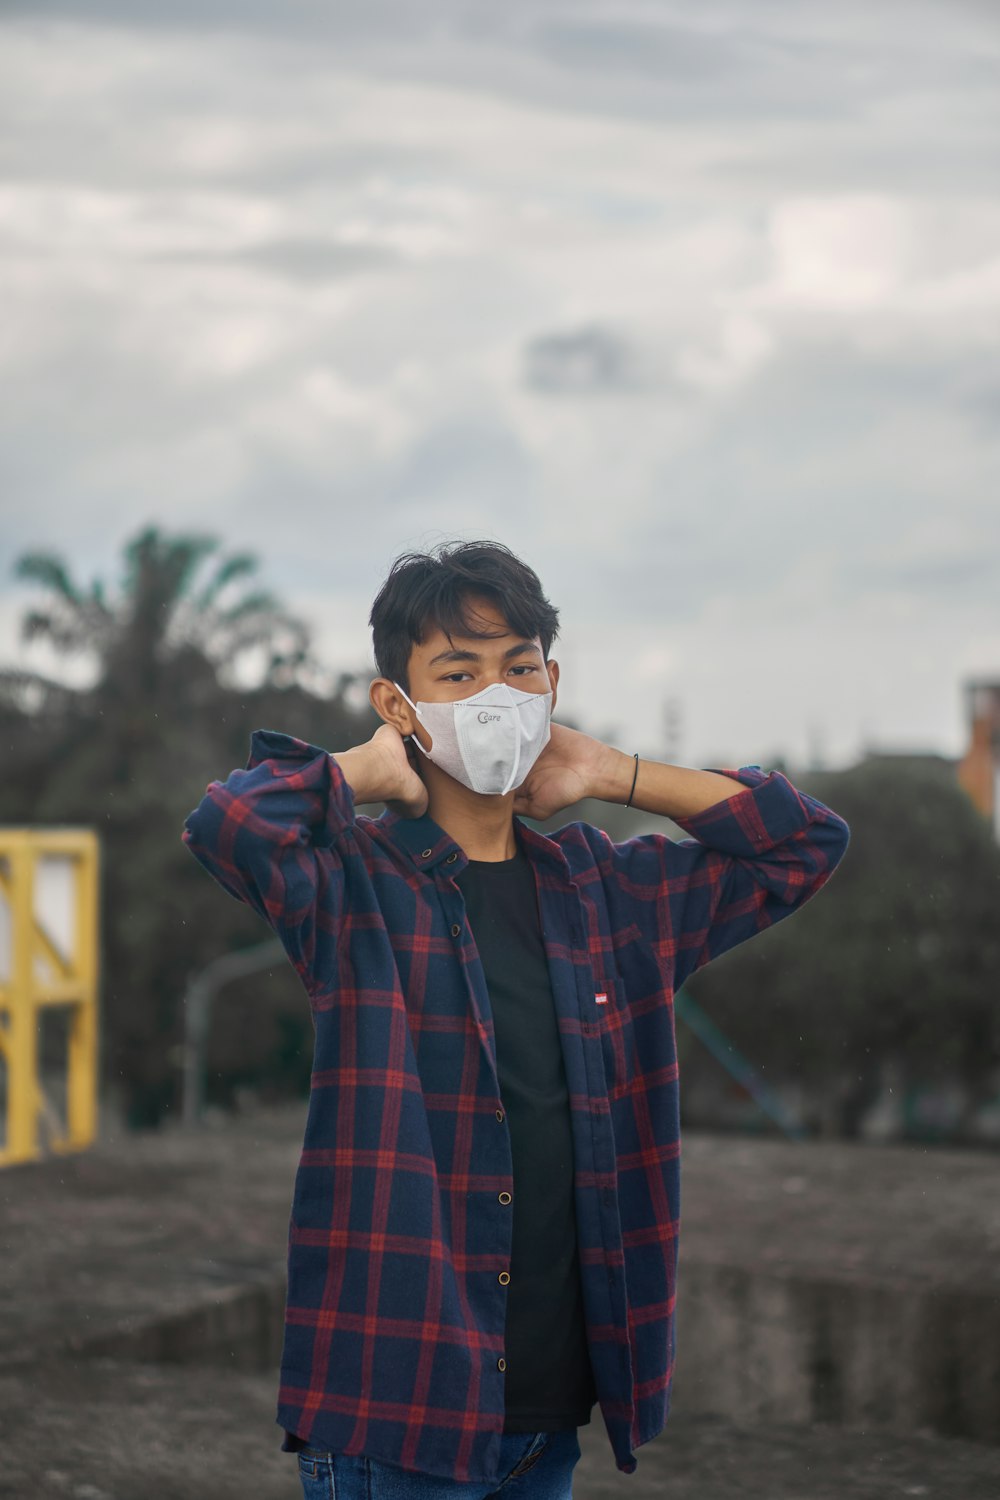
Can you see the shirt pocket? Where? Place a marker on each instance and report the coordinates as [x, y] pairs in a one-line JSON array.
[[617, 1032]]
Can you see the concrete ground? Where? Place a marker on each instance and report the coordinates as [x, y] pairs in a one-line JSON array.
[[102, 1429], [141, 1284]]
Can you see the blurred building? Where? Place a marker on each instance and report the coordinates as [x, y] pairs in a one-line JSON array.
[[979, 767], [977, 771]]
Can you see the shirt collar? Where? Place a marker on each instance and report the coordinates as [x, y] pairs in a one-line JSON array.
[[422, 839], [428, 845]]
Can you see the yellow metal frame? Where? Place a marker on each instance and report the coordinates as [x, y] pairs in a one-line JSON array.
[[23, 995]]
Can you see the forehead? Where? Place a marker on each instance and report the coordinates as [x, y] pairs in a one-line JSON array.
[[482, 615]]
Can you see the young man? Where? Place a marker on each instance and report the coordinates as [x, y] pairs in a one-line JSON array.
[[484, 1225]]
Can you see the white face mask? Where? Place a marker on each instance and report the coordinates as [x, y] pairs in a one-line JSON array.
[[488, 742]]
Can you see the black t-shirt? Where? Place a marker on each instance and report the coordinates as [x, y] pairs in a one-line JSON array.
[[549, 1381]]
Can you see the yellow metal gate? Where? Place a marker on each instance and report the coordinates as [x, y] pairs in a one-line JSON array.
[[48, 957]]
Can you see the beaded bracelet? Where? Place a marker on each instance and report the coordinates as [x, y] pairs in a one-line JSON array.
[[635, 776]]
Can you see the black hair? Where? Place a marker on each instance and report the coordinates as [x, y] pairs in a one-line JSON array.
[[424, 589]]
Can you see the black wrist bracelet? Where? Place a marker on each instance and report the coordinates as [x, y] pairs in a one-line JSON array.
[[635, 777]]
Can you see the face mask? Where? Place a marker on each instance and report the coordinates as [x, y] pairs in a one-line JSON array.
[[488, 742]]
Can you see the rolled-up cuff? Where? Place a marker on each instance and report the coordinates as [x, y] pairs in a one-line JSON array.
[[312, 769], [745, 826]]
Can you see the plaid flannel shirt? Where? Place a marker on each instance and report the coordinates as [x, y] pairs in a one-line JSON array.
[[400, 1221]]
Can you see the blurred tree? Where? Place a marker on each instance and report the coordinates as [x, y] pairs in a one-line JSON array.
[[893, 969], [131, 755], [166, 627], [895, 964]]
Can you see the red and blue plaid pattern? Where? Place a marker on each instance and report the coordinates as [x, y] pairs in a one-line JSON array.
[[401, 1212]]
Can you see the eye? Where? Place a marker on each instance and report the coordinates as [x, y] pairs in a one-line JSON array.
[[526, 667], [455, 676]]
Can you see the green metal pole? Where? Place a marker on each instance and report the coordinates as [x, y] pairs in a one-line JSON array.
[[735, 1064]]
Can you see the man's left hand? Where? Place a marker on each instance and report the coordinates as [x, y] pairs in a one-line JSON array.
[[572, 766]]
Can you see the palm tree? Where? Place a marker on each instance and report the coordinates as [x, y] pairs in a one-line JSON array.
[[169, 628], [130, 754]]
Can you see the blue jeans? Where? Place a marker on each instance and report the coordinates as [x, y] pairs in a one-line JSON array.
[[533, 1466]]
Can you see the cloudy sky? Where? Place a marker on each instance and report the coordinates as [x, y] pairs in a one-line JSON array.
[[694, 306]]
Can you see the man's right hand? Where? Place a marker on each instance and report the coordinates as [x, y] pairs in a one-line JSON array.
[[380, 771]]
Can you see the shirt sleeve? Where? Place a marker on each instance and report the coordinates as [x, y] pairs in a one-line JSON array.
[[269, 835], [752, 860]]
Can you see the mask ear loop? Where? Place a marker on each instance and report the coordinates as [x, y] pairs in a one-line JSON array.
[[417, 712], [517, 753]]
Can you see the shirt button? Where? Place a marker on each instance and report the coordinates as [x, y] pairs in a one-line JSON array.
[[427, 854], [455, 929], [499, 1114], [504, 1277], [504, 1197], [451, 859], [501, 1364]]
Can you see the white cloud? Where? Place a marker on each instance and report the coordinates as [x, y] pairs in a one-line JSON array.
[[707, 340]]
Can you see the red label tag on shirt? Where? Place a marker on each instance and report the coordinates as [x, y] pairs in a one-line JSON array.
[[601, 998]]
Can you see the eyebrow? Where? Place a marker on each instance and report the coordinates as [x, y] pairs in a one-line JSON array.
[[474, 655]]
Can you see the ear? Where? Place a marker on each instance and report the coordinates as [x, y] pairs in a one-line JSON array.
[[390, 705], [552, 667]]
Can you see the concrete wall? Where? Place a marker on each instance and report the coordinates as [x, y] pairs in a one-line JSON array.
[[758, 1345], [753, 1346]]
